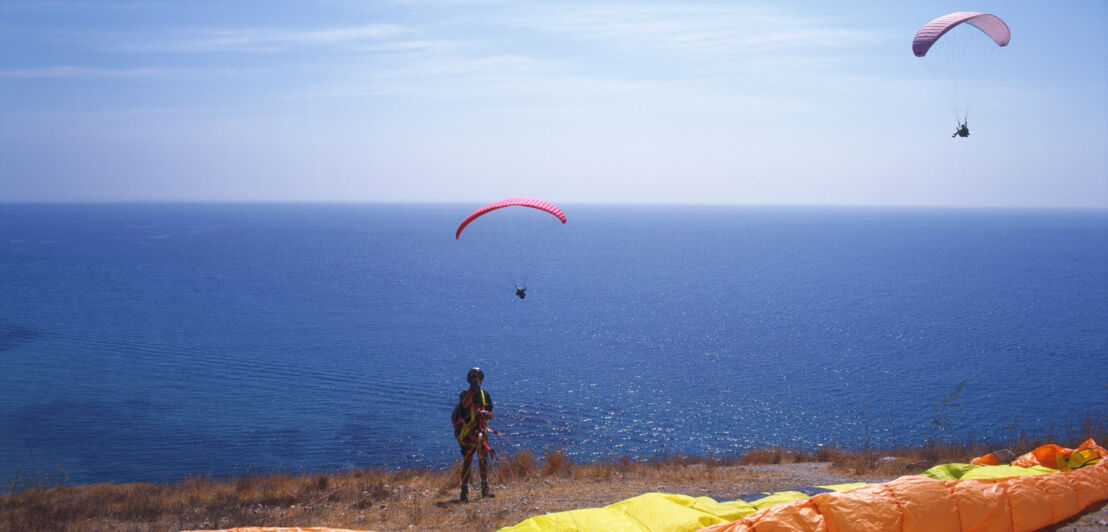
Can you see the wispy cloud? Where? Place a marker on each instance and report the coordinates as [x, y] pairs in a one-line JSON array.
[[252, 40], [76, 72], [693, 32], [70, 5], [712, 30], [694, 50], [485, 53], [536, 84]]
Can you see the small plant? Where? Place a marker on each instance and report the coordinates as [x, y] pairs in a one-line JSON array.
[[556, 463], [30, 476], [517, 466], [942, 423]]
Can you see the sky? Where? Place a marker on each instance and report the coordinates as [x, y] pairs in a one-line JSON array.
[[749, 103]]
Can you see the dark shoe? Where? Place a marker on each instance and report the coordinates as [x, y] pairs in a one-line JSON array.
[[486, 493], [465, 494]]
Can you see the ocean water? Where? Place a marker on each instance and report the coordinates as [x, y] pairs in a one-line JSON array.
[[149, 342]]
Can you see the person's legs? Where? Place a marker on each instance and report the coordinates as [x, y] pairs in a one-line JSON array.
[[467, 466], [483, 465]]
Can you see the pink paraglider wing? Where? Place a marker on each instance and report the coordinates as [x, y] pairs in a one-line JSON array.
[[995, 28], [522, 202]]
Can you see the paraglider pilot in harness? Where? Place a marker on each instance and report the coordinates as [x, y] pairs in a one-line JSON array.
[[962, 131], [521, 291], [470, 418]]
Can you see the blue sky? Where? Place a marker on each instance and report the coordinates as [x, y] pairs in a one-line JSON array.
[[774, 102]]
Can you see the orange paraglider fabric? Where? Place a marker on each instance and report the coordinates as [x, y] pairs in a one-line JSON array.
[[988, 459], [1056, 457], [919, 503]]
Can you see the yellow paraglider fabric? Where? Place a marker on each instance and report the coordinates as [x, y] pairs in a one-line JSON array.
[[657, 512], [969, 471]]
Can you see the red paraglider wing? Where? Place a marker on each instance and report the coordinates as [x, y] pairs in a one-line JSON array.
[[995, 28], [522, 202]]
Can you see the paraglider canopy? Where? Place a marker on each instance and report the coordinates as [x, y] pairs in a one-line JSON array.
[[510, 202], [995, 28], [520, 237], [959, 49]]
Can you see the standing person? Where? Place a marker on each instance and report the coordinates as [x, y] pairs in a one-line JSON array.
[[471, 417]]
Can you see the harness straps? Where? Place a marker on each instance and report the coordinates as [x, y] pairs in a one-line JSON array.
[[474, 421]]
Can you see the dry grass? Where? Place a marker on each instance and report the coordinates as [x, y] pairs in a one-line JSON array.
[[364, 499], [526, 486]]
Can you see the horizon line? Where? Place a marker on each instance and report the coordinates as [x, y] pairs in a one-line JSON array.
[[570, 202]]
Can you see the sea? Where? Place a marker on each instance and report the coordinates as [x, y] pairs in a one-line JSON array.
[[157, 341]]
